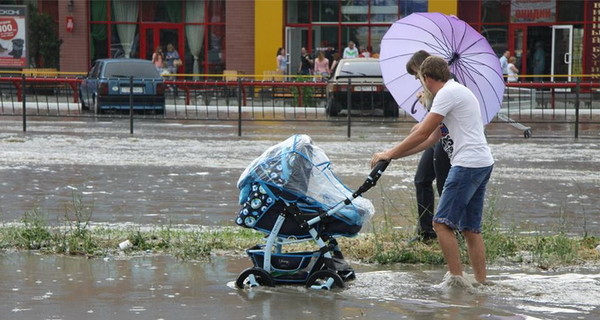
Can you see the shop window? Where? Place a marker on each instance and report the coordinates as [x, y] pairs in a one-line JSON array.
[[98, 44], [355, 10], [467, 11], [497, 36], [98, 31], [358, 35], [571, 10], [411, 6], [384, 11], [495, 11], [325, 37], [125, 41], [377, 34], [216, 11], [216, 37], [297, 11], [325, 11]]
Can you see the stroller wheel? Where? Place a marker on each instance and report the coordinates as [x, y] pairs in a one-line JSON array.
[[324, 280], [253, 277]]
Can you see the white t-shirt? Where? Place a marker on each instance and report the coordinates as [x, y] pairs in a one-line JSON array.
[[350, 53], [462, 116], [512, 75]]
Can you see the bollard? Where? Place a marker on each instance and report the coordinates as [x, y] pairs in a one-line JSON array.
[[24, 102], [239, 94], [577, 87], [131, 104], [349, 107]]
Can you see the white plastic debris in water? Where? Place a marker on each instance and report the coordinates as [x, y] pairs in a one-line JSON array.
[[125, 245]]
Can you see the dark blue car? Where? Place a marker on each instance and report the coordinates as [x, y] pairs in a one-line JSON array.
[[107, 87]]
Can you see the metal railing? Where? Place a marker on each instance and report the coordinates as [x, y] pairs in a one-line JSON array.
[[559, 108]]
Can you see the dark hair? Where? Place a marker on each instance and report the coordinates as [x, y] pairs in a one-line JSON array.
[[435, 68], [415, 61], [278, 51]]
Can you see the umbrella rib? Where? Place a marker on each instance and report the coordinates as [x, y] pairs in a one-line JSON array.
[[469, 75], [409, 96], [397, 78], [436, 48]]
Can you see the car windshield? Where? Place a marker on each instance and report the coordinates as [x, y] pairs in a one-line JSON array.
[[360, 69], [128, 69]]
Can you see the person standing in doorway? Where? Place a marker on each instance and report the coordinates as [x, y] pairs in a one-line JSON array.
[[305, 63], [158, 59], [281, 61], [539, 61], [461, 204], [504, 63], [350, 51], [513, 72], [173, 61]]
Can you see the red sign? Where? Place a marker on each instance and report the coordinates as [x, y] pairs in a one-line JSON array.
[[70, 24], [8, 28]]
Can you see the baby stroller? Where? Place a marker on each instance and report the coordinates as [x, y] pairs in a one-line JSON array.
[[291, 194]]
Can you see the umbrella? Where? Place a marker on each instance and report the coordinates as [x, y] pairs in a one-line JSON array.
[[469, 55]]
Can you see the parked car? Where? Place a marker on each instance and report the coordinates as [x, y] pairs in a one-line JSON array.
[[107, 87], [368, 94]]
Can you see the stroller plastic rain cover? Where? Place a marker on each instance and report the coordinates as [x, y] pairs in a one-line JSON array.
[[296, 170]]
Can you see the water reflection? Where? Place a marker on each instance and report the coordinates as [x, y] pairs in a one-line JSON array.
[[158, 287]]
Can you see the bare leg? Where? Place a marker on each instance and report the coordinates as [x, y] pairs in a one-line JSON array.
[[449, 246], [476, 249]]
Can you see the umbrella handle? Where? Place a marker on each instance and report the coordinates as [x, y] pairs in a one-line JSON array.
[[413, 109]]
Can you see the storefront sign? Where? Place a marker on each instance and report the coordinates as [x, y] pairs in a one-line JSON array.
[[533, 10], [594, 40], [13, 39]]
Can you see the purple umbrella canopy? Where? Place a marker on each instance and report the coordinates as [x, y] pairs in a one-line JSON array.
[[469, 55]]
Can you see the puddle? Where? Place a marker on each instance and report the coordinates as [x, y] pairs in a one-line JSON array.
[[159, 287]]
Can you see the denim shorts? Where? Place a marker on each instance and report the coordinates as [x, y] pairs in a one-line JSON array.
[[461, 203]]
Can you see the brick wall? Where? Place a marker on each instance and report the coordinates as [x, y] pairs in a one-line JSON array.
[[74, 50], [239, 36]]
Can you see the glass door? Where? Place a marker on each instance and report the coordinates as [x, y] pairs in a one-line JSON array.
[[295, 39], [155, 35], [519, 42], [562, 53]]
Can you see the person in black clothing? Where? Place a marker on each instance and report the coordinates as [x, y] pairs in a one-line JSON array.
[[433, 165], [305, 63]]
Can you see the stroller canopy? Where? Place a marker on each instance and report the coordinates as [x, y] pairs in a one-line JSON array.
[[303, 172]]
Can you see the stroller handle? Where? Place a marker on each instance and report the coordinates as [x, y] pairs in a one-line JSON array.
[[378, 170], [372, 178]]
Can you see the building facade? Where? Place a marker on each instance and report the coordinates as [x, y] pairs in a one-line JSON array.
[[244, 35]]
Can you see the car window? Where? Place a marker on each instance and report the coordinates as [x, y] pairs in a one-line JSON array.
[[94, 71], [128, 69], [359, 68]]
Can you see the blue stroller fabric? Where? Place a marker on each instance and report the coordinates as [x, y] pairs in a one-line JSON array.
[[297, 171]]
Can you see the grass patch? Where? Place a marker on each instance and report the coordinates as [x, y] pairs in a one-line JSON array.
[[383, 245]]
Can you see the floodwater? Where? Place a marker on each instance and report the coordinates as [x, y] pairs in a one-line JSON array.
[[157, 287], [186, 173]]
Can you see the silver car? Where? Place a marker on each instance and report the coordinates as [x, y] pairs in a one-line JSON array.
[[359, 79]]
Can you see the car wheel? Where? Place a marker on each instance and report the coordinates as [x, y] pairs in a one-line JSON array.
[[96, 106], [83, 105], [333, 107]]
